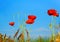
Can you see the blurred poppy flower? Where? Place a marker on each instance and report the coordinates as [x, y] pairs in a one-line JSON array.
[[32, 17], [52, 12], [11, 23], [29, 21]]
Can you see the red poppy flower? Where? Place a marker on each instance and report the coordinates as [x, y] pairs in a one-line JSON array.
[[32, 17], [29, 21], [52, 11], [11, 23]]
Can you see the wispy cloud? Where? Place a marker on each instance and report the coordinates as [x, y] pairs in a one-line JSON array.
[[44, 32], [41, 29]]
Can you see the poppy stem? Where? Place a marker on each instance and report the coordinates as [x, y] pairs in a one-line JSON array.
[[53, 28]]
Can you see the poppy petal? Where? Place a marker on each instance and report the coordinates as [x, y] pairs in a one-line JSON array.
[[32, 17], [29, 21]]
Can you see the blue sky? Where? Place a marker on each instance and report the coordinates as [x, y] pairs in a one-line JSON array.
[[20, 9]]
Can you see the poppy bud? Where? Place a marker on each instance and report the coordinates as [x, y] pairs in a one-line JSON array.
[[11, 23]]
